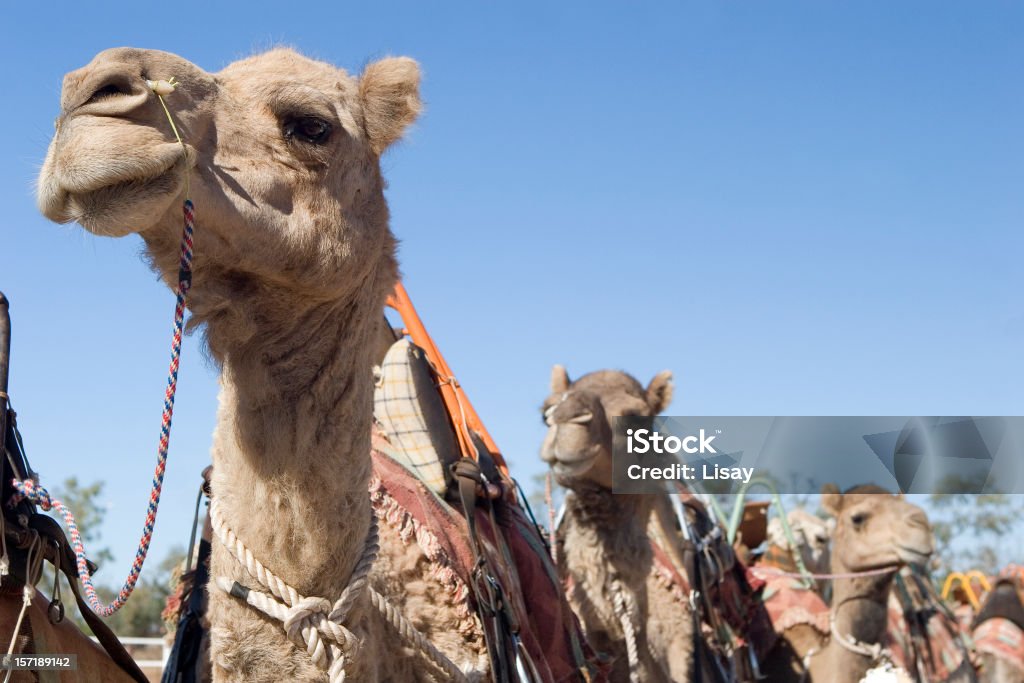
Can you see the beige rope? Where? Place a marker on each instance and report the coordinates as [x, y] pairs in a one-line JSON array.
[[628, 629], [33, 568], [313, 623]]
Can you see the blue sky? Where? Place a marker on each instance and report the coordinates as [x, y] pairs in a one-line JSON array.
[[798, 207]]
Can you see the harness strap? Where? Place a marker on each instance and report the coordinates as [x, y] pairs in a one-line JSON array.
[[49, 530], [486, 587]]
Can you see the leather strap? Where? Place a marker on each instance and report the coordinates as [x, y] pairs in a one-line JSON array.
[[486, 587], [184, 658], [54, 540]]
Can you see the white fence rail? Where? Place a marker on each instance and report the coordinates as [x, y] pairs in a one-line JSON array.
[[133, 642]]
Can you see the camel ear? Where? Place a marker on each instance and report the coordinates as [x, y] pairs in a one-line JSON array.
[[559, 380], [659, 392], [390, 93], [831, 499]]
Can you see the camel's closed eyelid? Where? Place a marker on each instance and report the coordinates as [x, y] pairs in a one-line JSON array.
[[298, 101]]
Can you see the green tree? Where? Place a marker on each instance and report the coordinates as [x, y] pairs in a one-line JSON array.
[[85, 502], [971, 530], [140, 616]]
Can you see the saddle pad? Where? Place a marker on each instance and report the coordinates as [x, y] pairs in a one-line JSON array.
[[789, 602], [1001, 638], [410, 411], [549, 630]]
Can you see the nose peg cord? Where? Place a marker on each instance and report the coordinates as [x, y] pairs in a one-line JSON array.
[[33, 491]]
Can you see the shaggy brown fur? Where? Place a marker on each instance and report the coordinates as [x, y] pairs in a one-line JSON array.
[[294, 258], [603, 537], [873, 530]]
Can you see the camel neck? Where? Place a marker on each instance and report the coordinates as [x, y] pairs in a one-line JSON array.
[[596, 506], [292, 443], [617, 524], [860, 612]]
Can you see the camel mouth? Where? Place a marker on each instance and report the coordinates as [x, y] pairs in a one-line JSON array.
[[913, 556], [571, 469], [123, 200]]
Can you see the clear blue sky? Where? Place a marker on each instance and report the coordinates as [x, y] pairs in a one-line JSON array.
[[799, 207]]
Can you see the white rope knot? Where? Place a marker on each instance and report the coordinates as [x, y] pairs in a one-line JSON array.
[[304, 615], [314, 623]]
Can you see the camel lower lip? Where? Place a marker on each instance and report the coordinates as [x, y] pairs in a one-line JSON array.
[[571, 468], [105, 203]]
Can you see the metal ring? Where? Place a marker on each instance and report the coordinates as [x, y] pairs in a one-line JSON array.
[[55, 612]]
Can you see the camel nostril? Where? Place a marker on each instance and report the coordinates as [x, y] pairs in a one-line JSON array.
[[115, 88]]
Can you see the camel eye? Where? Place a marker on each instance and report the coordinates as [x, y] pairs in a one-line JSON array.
[[859, 518], [309, 129]]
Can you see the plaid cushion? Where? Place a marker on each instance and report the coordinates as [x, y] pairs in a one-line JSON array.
[[410, 411]]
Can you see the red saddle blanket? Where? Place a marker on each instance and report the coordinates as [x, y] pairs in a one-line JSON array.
[[1002, 638], [549, 630], [790, 602]]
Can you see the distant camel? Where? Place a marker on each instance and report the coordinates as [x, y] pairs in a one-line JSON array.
[[874, 531], [604, 552], [999, 631]]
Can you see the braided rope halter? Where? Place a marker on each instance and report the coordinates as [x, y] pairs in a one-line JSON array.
[[313, 623], [35, 492]]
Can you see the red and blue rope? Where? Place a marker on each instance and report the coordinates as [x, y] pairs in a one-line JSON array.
[[39, 495]]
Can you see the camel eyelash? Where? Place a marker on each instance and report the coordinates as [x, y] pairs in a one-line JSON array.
[[310, 129]]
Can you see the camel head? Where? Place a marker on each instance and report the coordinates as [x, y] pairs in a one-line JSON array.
[[875, 529], [282, 154], [812, 535], [578, 445]]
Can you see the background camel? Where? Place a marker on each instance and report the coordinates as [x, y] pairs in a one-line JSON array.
[[294, 260], [602, 544], [874, 530], [811, 535], [999, 632], [922, 638]]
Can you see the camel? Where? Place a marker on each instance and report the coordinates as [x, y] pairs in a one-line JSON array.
[[998, 632], [874, 531], [294, 259], [811, 534], [602, 545], [942, 655]]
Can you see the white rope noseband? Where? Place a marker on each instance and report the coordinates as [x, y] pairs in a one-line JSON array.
[[313, 623], [874, 651]]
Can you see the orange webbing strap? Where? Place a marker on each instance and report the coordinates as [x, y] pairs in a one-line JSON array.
[[463, 416]]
